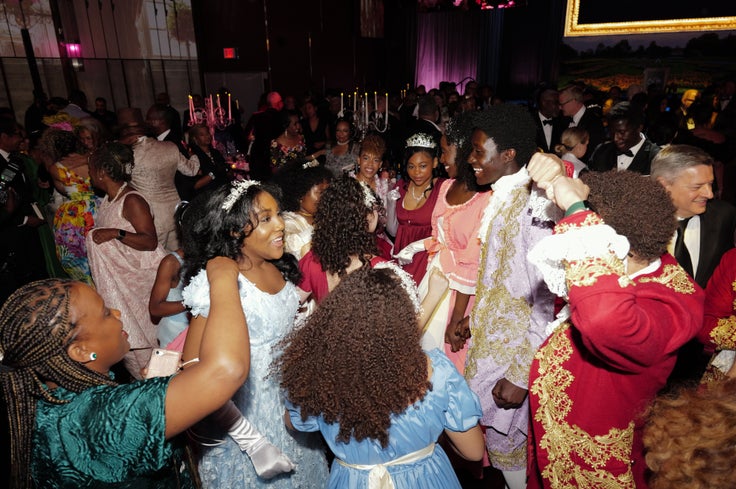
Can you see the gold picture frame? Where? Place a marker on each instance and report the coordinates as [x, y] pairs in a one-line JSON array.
[[573, 29]]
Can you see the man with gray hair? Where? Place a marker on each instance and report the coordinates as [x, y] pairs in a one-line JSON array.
[[705, 232]]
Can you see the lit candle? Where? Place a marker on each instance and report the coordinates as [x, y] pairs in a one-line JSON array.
[[218, 101], [355, 100], [341, 102], [365, 108], [191, 107], [386, 108], [229, 108], [375, 101]]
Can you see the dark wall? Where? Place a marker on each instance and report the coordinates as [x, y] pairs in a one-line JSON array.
[[339, 58]]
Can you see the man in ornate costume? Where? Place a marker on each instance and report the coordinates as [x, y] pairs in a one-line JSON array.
[[630, 308], [512, 306]]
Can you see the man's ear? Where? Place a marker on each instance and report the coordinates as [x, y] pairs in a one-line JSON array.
[[78, 351], [510, 154]]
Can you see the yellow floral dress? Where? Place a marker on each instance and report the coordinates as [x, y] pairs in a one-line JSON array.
[[72, 221]]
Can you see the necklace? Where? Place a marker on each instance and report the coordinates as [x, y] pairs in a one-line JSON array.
[[125, 184], [421, 196], [342, 144]]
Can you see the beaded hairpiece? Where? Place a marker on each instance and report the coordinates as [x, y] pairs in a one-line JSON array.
[[421, 140], [310, 164], [406, 282], [453, 132], [369, 198], [238, 188]]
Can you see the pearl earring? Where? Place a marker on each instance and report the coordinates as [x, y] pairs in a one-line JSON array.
[[92, 357]]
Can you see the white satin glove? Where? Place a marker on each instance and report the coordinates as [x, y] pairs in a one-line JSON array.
[[406, 255], [268, 460]]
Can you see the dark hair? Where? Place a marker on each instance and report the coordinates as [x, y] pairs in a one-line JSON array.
[[58, 143], [340, 226], [8, 126], [375, 144], [458, 131], [115, 159], [358, 379], [285, 118], [296, 181], [211, 231], [623, 111], [36, 327], [636, 207], [511, 127], [410, 151]]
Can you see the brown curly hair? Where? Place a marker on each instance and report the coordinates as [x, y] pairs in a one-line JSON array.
[[358, 359], [690, 438], [636, 206], [340, 226]]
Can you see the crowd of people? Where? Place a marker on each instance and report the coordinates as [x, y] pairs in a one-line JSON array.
[[464, 290]]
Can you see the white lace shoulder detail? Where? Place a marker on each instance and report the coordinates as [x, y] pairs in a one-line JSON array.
[[196, 295]]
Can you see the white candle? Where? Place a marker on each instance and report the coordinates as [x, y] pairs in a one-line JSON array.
[[375, 101], [218, 101], [386, 108], [191, 107], [341, 102], [229, 108], [365, 108], [355, 100]]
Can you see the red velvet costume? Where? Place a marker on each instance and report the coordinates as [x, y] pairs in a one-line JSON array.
[[719, 325], [596, 373]]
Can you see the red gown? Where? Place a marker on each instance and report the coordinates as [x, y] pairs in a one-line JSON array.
[[595, 374], [314, 279], [415, 225]]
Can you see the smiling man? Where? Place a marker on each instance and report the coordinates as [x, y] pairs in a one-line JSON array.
[[512, 304], [705, 233], [628, 149]]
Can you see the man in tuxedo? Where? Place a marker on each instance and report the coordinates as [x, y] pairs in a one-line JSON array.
[[629, 148], [260, 130], [706, 230], [159, 120], [550, 125], [428, 115], [572, 106], [21, 255]]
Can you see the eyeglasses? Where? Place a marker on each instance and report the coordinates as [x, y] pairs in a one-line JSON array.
[[565, 102]]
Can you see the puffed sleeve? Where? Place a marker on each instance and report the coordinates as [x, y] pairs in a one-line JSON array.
[[196, 295], [463, 409], [308, 425]]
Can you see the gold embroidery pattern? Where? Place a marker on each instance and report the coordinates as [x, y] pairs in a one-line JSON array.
[[584, 273], [673, 277], [565, 444], [591, 219], [499, 318], [733, 286], [724, 334]]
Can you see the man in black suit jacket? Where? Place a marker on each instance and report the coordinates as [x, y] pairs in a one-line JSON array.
[[572, 106], [629, 149], [706, 231], [550, 125]]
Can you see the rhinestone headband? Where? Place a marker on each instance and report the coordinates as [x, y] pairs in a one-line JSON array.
[[238, 188], [406, 282], [421, 140]]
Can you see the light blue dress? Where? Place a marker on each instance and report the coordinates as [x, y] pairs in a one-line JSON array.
[[449, 405], [169, 327], [270, 317]]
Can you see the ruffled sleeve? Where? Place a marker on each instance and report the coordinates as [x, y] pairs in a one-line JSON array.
[[308, 425], [463, 409], [196, 295]]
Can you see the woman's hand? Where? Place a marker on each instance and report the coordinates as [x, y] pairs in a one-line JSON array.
[[456, 334], [102, 235]]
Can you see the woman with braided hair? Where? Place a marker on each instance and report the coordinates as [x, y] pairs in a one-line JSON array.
[[71, 424]]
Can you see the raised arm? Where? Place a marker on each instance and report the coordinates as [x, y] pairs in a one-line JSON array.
[[224, 354]]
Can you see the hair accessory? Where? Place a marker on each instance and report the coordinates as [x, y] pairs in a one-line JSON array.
[[453, 132], [406, 282], [310, 164], [369, 198], [421, 140], [238, 188], [92, 357]]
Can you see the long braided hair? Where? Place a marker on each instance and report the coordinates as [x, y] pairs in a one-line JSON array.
[[36, 327]]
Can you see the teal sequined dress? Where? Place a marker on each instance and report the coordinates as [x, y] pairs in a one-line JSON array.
[[107, 436]]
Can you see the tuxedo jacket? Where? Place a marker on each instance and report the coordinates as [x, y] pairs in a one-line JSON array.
[[559, 124], [604, 158], [717, 230]]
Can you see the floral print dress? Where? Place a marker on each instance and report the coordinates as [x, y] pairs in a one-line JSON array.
[[72, 221]]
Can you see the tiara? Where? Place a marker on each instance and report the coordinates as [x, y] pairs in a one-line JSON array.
[[421, 140], [369, 198], [238, 189], [406, 282]]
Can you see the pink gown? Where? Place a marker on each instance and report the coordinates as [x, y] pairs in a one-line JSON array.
[[124, 278], [413, 226]]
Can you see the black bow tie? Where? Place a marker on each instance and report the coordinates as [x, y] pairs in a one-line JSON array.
[[547, 122], [625, 153]]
